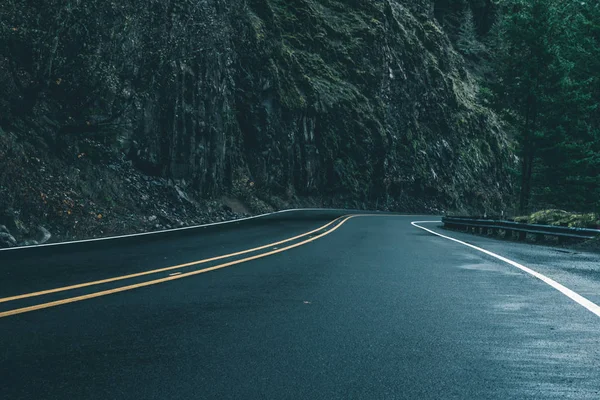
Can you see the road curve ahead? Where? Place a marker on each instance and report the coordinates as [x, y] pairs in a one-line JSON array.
[[302, 306]]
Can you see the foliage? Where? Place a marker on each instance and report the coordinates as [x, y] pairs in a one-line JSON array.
[[562, 218], [450, 13], [546, 67], [468, 41]]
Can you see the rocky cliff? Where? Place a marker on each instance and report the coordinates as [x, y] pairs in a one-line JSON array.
[[357, 103]]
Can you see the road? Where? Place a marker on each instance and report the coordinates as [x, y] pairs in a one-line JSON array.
[[369, 307]]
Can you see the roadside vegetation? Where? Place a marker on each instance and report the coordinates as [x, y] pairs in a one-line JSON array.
[[570, 219], [562, 218], [540, 64]]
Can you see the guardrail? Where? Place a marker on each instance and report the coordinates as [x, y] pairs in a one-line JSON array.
[[511, 228]]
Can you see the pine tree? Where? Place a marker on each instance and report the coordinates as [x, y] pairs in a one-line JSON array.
[[468, 43], [523, 58], [547, 80]]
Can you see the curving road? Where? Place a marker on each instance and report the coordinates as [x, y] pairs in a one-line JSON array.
[[301, 305]]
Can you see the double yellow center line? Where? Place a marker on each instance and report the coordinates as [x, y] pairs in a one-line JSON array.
[[16, 311]]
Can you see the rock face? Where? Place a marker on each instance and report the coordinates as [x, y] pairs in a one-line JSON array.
[[367, 100], [364, 101], [356, 103]]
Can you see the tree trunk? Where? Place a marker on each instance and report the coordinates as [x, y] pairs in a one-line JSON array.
[[526, 178], [528, 156]]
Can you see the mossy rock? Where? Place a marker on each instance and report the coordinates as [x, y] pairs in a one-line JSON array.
[[562, 218]]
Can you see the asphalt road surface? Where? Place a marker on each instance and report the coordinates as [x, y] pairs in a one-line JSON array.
[[370, 307]]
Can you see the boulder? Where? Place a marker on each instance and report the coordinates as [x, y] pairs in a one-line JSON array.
[[43, 235], [182, 196], [11, 221], [7, 240]]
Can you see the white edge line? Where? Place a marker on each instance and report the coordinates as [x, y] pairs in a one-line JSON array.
[[579, 299], [166, 230], [157, 232]]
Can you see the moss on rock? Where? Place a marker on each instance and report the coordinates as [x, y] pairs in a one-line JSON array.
[[562, 218]]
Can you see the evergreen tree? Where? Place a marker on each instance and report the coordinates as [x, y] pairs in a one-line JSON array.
[[468, 42], [546, 80]]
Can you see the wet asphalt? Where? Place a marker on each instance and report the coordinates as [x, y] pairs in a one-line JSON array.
[[377, 309]]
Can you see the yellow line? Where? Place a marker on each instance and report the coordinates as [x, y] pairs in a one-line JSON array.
[[120, 278], [170, 278]]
